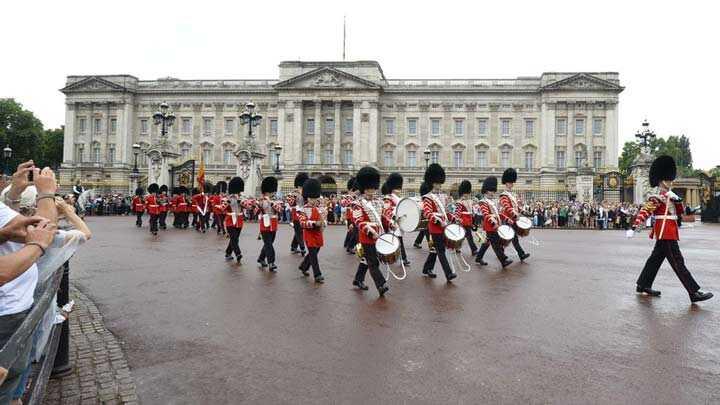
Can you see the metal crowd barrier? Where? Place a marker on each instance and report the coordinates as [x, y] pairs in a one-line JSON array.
[[52, 360]]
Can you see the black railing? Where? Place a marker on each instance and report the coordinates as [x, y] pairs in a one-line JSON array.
[[23, 337]]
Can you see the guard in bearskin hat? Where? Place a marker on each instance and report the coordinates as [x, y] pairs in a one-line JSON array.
[[218, 208], [181, 208], [346, 203], [435, 210], [312, 219], [234, 217], [491, 222], [269, 210], [203, 206], [391, 190], [164, 203], [423, 233], [138, 205], [464, 210], [152, 207], [667, 207], [368, 219], [296, 202], [510, 209]]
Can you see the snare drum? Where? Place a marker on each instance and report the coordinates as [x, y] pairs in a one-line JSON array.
[[506, 234], [523, 225], [454, 235], [387, 246], [409, 214]]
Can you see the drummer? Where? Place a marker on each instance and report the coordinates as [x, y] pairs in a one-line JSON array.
[[465, 211], [435, 204], [423, 233], [510, 209], [390, 190], [367, 212], [491, 223], [347, 201]]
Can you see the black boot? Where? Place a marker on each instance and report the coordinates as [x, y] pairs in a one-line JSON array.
[[524, 256], [451, 276], [383, 289], [480, 261], [273, 267], [648, 291], [360, 285], [698, 296], [506, 263]]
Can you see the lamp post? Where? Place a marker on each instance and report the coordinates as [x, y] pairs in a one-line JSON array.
[[645, 135], [7, 154], [250, 118], [427, 157], [135, 175], [165, 118], [136, 152], [278, 148]]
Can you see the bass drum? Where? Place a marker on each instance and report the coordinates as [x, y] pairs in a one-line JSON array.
[[387, 246], [506, 234], [454, 236], [523, 225], [409, 214]]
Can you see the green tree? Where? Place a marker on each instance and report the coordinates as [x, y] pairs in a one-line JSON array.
[[20, 130], [51, 148], [676, 146], [630, 151]]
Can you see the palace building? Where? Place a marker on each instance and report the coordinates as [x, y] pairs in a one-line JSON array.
[[331, 118]]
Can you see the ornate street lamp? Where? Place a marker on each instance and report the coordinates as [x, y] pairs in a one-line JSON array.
[[250, 117], [645, 135], [278, 148], [136, 152], [164, 118], [427, 157], [7, 154]]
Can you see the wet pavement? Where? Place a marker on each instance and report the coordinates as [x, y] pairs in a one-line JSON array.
[[567, 327]]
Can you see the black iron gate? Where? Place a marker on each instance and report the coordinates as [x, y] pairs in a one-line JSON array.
[[709, 199], [609, 186], [183, 175]]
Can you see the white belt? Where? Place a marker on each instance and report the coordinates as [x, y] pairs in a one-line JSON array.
[[673, 217]]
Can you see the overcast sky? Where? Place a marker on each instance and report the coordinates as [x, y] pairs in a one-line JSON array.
[[667, 54]]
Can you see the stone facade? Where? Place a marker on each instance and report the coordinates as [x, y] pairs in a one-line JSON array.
[[333, 117]]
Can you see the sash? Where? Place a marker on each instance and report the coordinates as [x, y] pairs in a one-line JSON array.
[[372, 212], [438, 204]]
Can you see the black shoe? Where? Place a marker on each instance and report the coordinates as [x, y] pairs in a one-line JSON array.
[[262, 263], [524, 256], [319, 279], [507, 262], [303, 271], [228, 257], [350, 252], [259, 237], [273, 267], [383, 289], [429, 273], [406, 262], [238, 259], [698, 296], [416, 246], [480, 261], [451, 277], [302, 253], [473, 253], [293, 251], [648, 291], [360, 285], [154, 233]]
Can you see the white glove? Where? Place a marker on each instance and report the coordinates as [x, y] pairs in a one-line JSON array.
[[673, 196], [629, 233]]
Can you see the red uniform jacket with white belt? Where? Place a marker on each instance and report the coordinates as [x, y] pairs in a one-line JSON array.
[[347, 203], [365, 220], [151, 205], [463, 210], [234, 218], [436, 214], [164, 202], [667, 214], [490, 213], [293, 199], [138, 204], [215, 202], [508, 207], [179, 203], [265, 205], [202, 203], [390, 203], [310, 219]]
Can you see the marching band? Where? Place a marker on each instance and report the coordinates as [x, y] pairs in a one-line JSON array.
[[378, 218]]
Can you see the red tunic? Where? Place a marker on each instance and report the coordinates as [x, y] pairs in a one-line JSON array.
[[138, 204], [163, 202], [151, 205], [666, 216], [491, 217], [273, 208], [293, 200], [364, 221], [233, 219], [508, 208], [434, 214], [463, 210], [390, 201], [180, 204], [310, 218], [201, 203]]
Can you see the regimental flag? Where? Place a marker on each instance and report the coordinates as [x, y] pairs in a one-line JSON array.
[[201, 175]]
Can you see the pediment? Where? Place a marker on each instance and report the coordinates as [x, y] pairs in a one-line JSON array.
[[583, 81], [327, 78], [93, 84]]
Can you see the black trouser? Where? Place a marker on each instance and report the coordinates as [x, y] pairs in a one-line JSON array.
[[422, 234], [268, 250], [516, 243], [233, 246], [194, 219], [202, 223], [8, 325], [348, 237], [470, 241], [403, 254], [176, 219], [311, 259], [493, 239], [138, 221], [220, 221], [163, 218], [438, 253], [154, 223], [371, 263], [670, 250], [297, 241]]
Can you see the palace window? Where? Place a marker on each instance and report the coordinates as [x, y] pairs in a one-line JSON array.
[[389, 126], [186, 125], [597, 126], [458, 158], [347, 156], [598, 159], [82, 126], [411, 158], [529, 128], [329, 126], [273, 160], [505, 127], [412, 126], [228, 156], [144, 127], [459, 127], [482, 127], [98, 126], [229, 126], [185, 151], [310, 126], [207, 154], [561, 126], [435, 127], [329, 157], [207, 126], [579, 127], [96, 153], [389, 158], [434, 156], [348, 126], [529, 160], [273, 127], [560, 159], [505, 159], [113, 125], [111, 153], [310, 157], [79, 155], [481, 158], [579, 157]]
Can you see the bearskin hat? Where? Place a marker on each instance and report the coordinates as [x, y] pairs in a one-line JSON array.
[[236, 185], [394, 181], [269, 185], [208, 188], [434, 174], [300, 179], [311, 188], [221, 186], [351, 186], [367, 177], [424, 188], [509, 176], [195, 190], [662, 168], [465, 187], [139, 191], [163, 189], [385, 189], [182, 190], [489, 184], [153, 188]]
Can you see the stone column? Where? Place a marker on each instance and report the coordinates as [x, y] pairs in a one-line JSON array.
[[298, 135], [640, 171], [69, 136], [357, 129], [281, 137], [317, 137], [373, 133], [338, 131], [611, 136]]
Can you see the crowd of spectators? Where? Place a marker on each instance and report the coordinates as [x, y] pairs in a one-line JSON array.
[[586, 215], [39, 231]]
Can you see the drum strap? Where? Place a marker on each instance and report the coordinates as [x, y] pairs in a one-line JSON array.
[[372, 212], [440, 206]]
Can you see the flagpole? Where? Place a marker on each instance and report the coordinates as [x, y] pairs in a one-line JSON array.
[[343, 37]]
